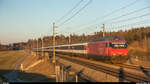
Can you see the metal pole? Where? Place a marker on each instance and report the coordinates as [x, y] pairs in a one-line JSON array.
[[62, 75], [56, 73], [54, 58], [59, 74], [21, 67], [103, 30], [49, 44], [69, 41], [76, 78], [37, 48], [146, 43], [66, 75], [42, 47]]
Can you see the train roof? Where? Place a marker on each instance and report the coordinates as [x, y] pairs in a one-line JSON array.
[[108, 38], [75, 44]]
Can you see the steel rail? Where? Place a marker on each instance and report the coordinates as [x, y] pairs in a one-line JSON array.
[[130, 76], [136, 67], [109, 70], [145, 70]]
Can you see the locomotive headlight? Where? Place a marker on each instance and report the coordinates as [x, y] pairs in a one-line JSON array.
[[125, 54], [113, 54]]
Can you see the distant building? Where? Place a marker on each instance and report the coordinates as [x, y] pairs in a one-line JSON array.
[[5, 47], [19, 46]]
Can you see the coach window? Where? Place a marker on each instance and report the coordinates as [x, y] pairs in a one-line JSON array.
[[79, 47], [64, 47]]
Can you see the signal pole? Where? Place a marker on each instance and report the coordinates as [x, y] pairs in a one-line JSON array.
[[146, 43], [103, 30], [54, 58], [69, 41], [49, 42], [37, 48], [42, 47]]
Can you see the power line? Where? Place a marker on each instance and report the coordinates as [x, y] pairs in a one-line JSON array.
[[136, 23], [127, 25], [110, 13], [127, 14], [76, 13], [124, 7], [132, 24], [115, 11], [147, 14], [69, 11]]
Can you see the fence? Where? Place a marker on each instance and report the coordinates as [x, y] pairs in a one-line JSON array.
[[68, 74]]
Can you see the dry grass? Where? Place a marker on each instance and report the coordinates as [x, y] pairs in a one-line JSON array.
[[135, 50], [9, 59], [44, 68]]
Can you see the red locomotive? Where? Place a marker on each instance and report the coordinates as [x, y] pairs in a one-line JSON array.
[[112, 49]]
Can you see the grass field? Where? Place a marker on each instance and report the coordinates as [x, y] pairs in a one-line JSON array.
[[137, 51], [9, 59], [40, 72]]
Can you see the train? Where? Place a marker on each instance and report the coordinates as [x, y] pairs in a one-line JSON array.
[[112, 49]]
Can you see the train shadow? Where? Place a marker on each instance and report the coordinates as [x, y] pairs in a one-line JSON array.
[[21, 76]]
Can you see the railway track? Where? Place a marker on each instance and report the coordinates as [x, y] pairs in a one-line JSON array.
[[129, 75], [136, 67], [145, 70]]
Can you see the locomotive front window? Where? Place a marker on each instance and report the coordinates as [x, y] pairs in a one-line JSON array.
[[119, 45]]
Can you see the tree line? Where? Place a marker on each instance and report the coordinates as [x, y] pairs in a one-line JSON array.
[[131, 35]]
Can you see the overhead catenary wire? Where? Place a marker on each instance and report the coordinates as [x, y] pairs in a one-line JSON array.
[[125, 26], [115, 18], [130, 13], [115, 11], [111, 13], [147, 14], [65, 15], [117, 27], [120, 21], [128, 25], [132, 24], [75, 13]]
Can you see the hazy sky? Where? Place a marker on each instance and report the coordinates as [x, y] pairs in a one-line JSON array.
[[21, 20]]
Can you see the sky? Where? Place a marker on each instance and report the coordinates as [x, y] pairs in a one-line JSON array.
[[21, 20]]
